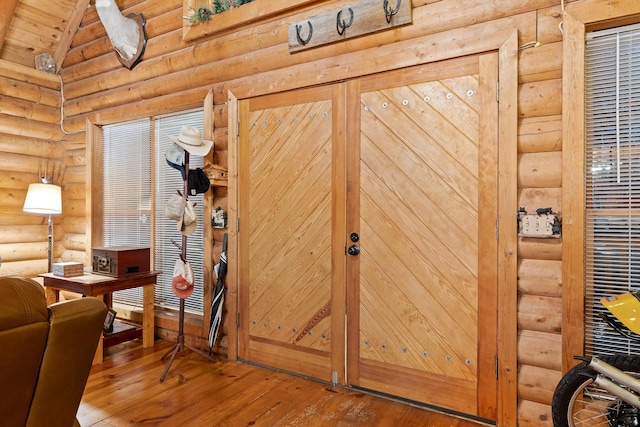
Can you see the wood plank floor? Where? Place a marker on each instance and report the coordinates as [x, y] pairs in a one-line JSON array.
[[125, 390]]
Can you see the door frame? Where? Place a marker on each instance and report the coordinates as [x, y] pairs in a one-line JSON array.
[[505, 41]]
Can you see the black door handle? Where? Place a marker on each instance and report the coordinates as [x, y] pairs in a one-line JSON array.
[[353, 250]]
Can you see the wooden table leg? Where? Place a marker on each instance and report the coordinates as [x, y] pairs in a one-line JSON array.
[[148, 295], [52, 295], [99, 356]]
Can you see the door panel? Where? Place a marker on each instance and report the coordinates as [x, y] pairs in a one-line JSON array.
[[408, 160], [416, 189], [286, 178]]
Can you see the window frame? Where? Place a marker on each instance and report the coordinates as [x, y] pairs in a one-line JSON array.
[[95, 208], [576, 19]]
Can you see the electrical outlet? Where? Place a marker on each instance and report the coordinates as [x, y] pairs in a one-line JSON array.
[[542, 224]]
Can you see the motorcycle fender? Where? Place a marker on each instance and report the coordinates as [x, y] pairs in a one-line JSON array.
[[626, 308]]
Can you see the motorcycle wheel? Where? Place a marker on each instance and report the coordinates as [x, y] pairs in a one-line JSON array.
[[577, 401]]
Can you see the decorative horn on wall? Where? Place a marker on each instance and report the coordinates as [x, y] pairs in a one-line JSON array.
[[127, 34]]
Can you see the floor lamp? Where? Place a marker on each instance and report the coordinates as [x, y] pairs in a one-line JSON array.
[[44, 199]]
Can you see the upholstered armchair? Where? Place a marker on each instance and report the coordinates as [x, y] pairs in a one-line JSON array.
[[45, 354]]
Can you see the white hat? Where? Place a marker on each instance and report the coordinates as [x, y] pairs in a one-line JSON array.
[[191, 140], [179, 209]]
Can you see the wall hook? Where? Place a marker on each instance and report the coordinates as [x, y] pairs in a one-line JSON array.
[[388, 12], [341, 25], [308, 39]]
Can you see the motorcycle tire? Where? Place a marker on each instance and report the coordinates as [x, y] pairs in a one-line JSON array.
[[577, 401]]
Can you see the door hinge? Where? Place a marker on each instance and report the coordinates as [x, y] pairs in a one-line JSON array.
[[237, 128], [497, 229], [497, 367], [238, 319], [237, 224], [497, 91]]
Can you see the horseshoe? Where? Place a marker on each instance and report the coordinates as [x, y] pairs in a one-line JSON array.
[[299, 37], [388, 12], [341, 25]]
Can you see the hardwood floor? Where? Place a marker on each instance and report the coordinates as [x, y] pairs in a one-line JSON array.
[[125, 390]]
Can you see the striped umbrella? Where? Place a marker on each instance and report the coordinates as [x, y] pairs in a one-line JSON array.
[[218, 295]]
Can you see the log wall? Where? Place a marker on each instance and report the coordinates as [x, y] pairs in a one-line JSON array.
[[176, 75]]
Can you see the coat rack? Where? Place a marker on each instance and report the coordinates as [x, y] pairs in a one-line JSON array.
[[180, 345]]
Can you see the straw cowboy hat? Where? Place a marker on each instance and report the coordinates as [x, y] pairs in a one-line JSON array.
[[191, 140]]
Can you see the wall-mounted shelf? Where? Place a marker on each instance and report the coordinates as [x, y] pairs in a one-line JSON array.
[[250, 13]]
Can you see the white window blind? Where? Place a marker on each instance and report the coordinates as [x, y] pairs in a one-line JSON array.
[[612, 181], [128, 214], [127, 191], [168, 181]]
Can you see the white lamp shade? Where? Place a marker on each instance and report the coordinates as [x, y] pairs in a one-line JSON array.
[[44, 199]]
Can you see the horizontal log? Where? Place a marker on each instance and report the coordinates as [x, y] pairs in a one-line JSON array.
[[91, 14], [12, 199], [29, 75], [547, 21], [17, 144], [155, 106], [20, 90], [540, 170], [29, 110], [74, 256], [537, 384], [17, 180], [220, 158], [10, 217], [74, 242], [30, 128], [29, 268], [220, 116], [77, 157], [75, 208], [20, 163], [24, 251], [22, 233], [221, 138], [543, 98], [533, 198], [534, 414], [540, 63], [538, 134], [74, 224], [75, 174], [540, 277], [531, 248], [540, 313], [542, 349], [74, 191]]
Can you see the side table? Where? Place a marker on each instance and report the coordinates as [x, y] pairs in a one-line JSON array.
[[102, 286]]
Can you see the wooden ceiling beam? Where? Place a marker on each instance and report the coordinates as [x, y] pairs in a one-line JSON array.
[[6, 14], [69, 31]]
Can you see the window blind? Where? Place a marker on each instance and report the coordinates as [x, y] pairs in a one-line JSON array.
[[169, 180], [127, 191], [128, 211], [612, 179]]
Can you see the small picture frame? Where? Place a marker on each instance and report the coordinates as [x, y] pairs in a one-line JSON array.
[[108, 321]]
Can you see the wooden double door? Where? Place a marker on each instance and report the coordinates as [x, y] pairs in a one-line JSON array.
[[368, 233]]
